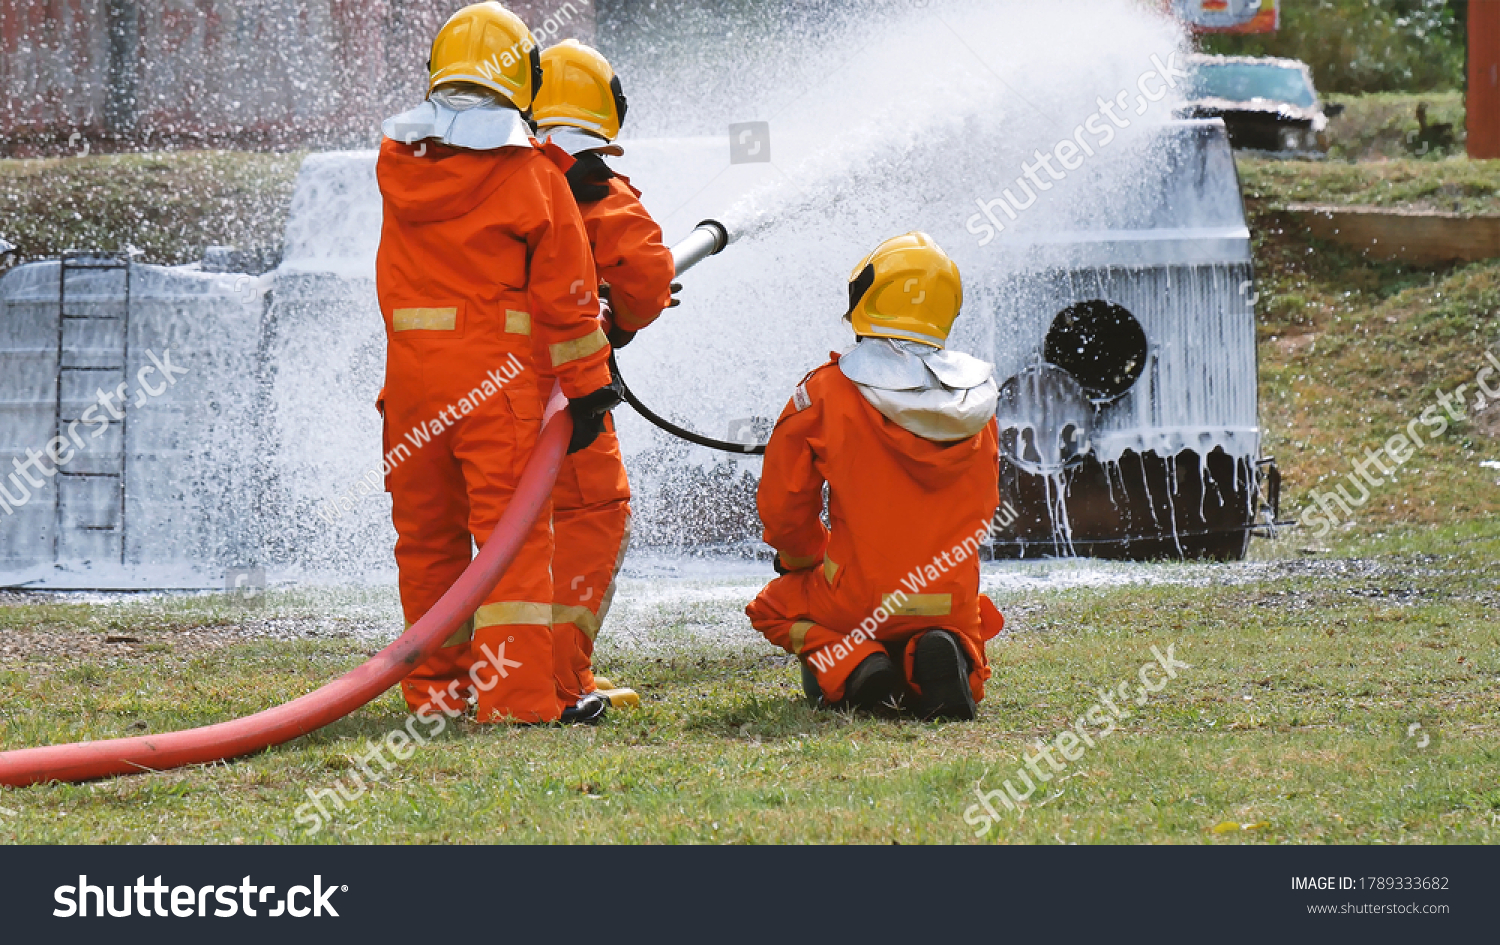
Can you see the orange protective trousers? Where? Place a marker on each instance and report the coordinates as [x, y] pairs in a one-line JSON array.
[[591, 502], [485, 282], [900, 556]]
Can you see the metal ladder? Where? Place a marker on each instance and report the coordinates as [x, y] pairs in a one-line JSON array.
[[89, 495]]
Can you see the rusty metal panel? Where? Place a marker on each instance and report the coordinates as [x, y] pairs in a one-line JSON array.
[[1484, 80], [126, 74], [54, 62]]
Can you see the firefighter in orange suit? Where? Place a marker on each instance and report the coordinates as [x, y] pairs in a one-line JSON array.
[[882, 606], [580, 109], [486, 283]]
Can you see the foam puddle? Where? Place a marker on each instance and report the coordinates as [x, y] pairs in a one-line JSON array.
[[661, 601]]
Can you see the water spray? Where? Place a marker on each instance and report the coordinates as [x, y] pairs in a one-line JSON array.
[[707, 239], [84, 761]]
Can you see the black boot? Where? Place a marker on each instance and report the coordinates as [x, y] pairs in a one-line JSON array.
[[810, 686], [874, 686], [942, 670], [589, 710]]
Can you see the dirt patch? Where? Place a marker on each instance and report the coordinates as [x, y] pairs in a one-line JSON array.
[[59, 647], [1487, 421], [1292, 345]]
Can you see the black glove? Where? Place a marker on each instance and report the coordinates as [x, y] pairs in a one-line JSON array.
[[676, 288], [776, 563], [619, 337], [588, 413]]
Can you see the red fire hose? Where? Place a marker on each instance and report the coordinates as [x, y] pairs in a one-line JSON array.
[[85, 760]]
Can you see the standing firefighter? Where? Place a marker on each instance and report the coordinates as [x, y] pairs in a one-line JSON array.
[[580, 109], [883, 607], [486, 284]]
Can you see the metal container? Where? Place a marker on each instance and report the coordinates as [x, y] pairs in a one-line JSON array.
[[1154, 451], [140, 381]]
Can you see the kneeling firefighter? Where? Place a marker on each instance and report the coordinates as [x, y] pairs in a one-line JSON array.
[[486, 283], [580, 109], [882, 607]]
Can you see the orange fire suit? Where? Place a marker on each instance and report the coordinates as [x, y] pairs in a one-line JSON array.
[[485, 282], [591, 503], [899, 557]]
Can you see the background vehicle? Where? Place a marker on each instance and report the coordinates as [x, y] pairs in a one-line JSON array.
[[1267, 104]]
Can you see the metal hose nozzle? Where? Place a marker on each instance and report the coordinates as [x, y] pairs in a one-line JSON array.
[[707, 239]]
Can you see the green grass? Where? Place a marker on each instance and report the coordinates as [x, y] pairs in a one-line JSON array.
[[1363, 46], [1307, 671], [1351, 349], [1305, 677], [1454, 184], [1384, 125], [169, 205]]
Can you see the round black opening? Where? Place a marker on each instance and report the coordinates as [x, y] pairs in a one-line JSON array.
[[1099, 343]]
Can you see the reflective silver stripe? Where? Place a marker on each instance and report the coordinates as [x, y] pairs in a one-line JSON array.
[[799, 634], [517, 323], [579, 616], [424, 319], [920, 605], [565, 352], [513, 612], [797, 564]]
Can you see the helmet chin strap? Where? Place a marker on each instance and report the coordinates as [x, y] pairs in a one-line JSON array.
[[622, 104], [536, 74], [857, 289]]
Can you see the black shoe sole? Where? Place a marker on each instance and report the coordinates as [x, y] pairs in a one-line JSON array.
[[874, 686], [943, 673], [589, 711]]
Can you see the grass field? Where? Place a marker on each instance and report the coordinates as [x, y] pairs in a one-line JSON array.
[[1384, 125], [169, 206], [1308, 666], [1305, 679], [1351, 350]]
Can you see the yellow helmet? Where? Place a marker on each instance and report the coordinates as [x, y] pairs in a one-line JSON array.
[[487, 45], [907, 289], [581, 90]]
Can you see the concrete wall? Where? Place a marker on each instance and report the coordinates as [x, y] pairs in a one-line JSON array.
[[125, 74]]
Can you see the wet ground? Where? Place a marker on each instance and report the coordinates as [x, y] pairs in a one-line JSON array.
[[661, 601]]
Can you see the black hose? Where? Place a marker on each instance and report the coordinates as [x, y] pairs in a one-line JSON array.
[[672, 428]]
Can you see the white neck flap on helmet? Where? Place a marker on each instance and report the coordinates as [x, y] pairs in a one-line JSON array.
[[934, 393]]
